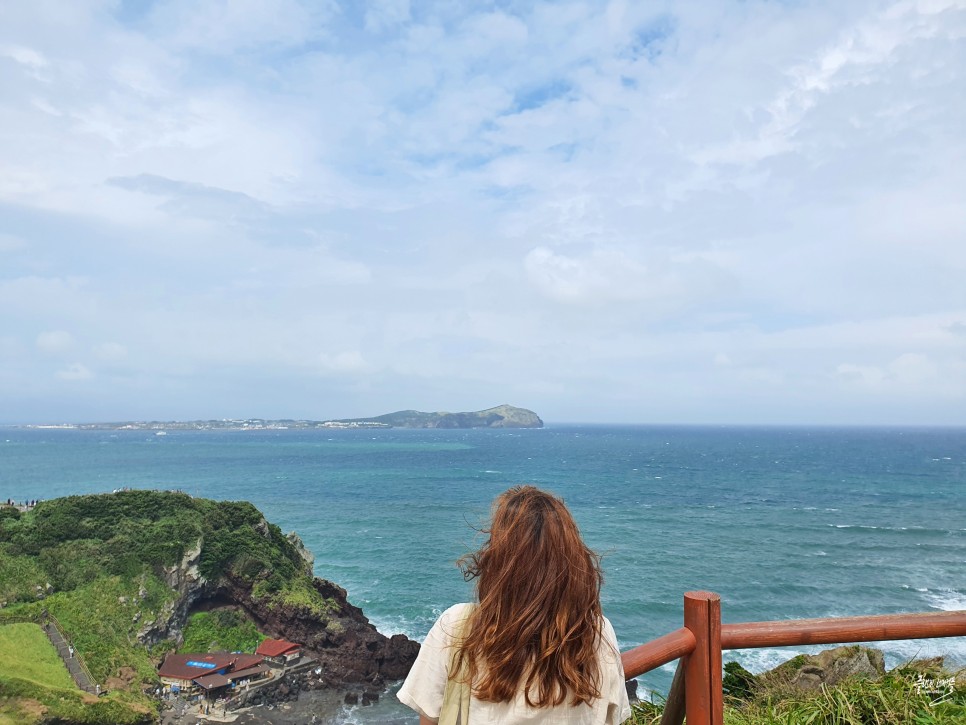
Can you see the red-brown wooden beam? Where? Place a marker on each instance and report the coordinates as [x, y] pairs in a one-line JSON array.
[[657, 652], [674, 705], [839, 630]]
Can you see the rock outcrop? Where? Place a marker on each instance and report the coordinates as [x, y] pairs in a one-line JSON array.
[[349, 649], [829, 667]]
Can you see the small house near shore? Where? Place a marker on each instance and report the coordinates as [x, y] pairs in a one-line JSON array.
[[279, 651], [210, 672]]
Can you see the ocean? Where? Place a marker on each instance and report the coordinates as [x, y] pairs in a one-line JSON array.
[[781, 522]]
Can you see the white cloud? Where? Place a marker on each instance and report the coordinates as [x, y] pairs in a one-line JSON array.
[[349, 361], [110, 351], [74, 372], [385, 14], [907, 372], [609, 274], [678, 202], [10, 243], [55, 341], [219, 27], [24, 56]]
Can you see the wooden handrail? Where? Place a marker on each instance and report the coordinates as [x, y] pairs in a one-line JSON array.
[[701, 630], [839, 630], [657, 652]]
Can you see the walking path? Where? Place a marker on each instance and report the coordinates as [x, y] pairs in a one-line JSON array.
[[71, 661]]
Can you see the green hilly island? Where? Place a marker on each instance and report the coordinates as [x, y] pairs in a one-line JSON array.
[[502, 416]]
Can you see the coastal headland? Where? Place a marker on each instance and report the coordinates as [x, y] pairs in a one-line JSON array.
[[126, 576], [501, 416]]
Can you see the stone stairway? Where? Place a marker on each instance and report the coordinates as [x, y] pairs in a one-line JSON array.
[[71, 662]]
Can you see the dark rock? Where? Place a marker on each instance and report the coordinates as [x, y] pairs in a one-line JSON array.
[[349, 649], [351, 698]]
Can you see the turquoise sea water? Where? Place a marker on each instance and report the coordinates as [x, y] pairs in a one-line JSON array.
[[782, 523]]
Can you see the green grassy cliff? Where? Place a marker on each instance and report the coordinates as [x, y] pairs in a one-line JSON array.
[[130, 575]]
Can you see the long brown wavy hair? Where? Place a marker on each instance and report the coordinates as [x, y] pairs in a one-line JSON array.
[[538, 622]]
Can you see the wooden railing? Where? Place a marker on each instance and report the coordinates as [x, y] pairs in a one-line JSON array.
[[73, 660], [696, 688], [90, 684]]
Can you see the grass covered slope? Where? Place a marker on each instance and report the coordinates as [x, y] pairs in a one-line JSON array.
[[35, 686], [919, 693], [26, 653]]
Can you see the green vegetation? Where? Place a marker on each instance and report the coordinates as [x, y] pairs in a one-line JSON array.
[[25, 652], [23, 703], [99, 565], [99, 618], [35, 685], [74, 540], [220, 630], [898, 698], [294, 593]]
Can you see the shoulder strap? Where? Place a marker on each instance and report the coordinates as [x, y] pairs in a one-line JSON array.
[[456, 697]]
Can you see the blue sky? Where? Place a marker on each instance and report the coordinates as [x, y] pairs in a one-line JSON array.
[[703, 212]]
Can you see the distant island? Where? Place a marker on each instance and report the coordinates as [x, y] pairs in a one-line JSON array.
[[502, 416]]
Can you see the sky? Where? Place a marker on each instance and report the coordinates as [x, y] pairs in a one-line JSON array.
[[629, 212]]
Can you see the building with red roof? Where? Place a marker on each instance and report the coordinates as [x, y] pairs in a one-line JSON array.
[[279, 651], [209, 671]]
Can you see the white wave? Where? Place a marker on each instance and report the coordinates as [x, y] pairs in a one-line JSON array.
[[895, 652], [898, 652], [764, 659], [349, 715], [400, 625], [948, 600]]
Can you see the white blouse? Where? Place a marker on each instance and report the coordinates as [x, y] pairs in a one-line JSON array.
[[423, 689]]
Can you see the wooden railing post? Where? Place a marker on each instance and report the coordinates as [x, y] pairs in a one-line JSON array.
[[674, 705], [702, 671]]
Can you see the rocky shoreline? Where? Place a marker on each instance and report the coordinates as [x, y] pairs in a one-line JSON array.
[[303, 694], [304, 707]]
